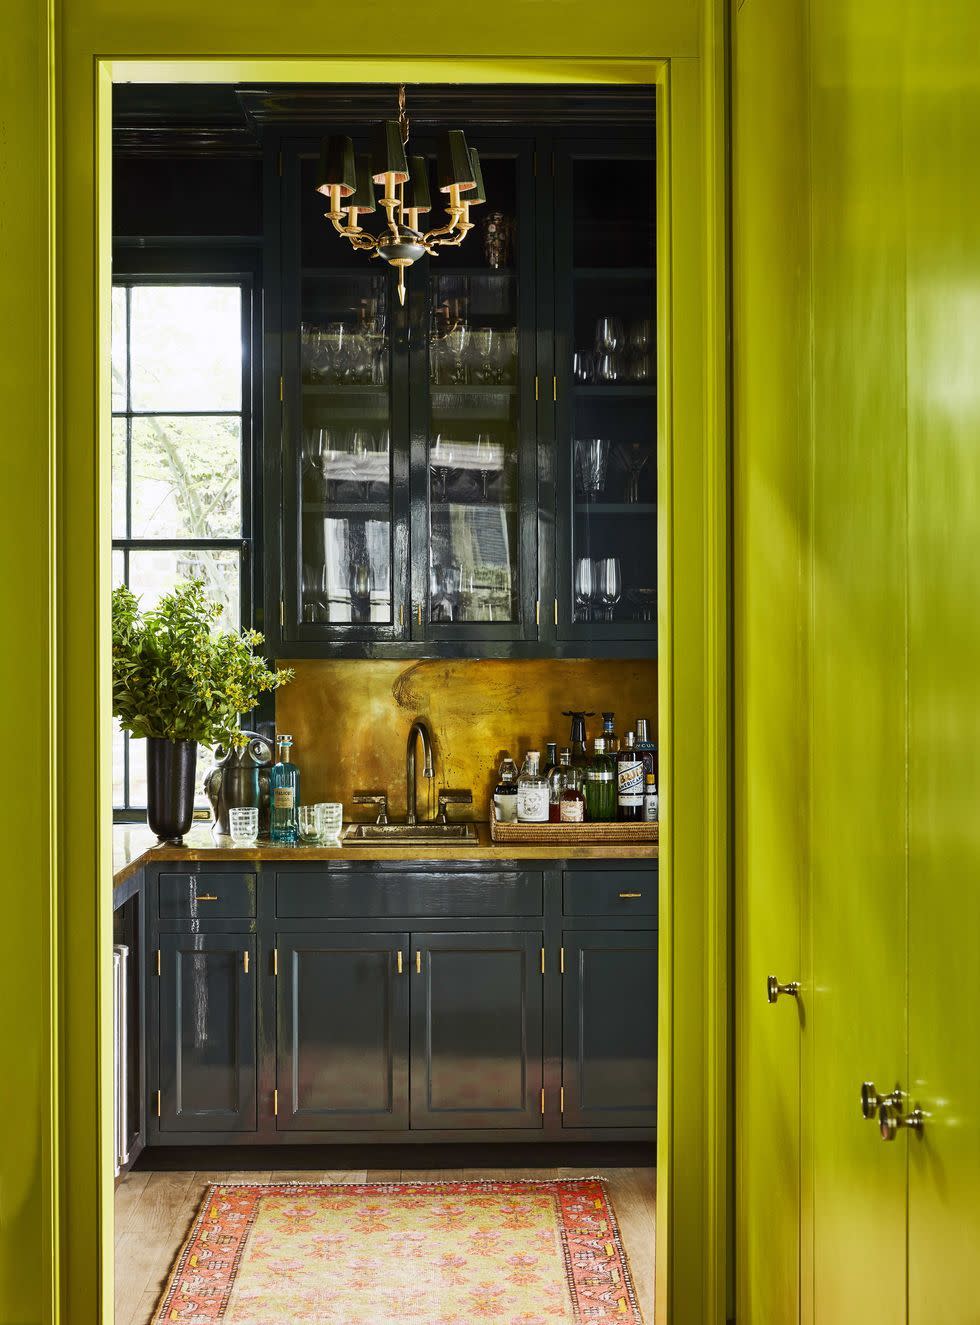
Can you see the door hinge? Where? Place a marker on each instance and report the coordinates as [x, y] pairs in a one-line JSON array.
[[561, 960], [275, 1102], [282, 612], [158, 961], [542, 961], [159, 1104], [282, 389], [542, 1099], [536, 386], [245, 961]]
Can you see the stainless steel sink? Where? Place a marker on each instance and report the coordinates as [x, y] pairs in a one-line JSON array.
[[396, 835]]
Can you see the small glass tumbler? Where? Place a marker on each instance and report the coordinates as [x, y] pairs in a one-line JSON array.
[[309, 824], [243, 823], [329, 819]]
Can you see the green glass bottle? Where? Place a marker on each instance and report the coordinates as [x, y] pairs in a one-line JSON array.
[[600, 785]]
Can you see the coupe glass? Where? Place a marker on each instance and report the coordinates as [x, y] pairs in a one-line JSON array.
[[243, 824], [609, 335], [591, 461], [609, 585], [584, 588], [633, 456]]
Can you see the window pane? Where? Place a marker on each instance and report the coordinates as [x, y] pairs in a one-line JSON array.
[[187, 477], [154, 573], [118, 568], [118, 764], [137, 776], [118, 347], [186, 347], [119, 478]]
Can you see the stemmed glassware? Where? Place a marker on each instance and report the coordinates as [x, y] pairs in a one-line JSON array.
[[608, 585], [441, 458], [591, 461], [584, 588], [484, 458], [633, 456], [314, 592], [609, 335]]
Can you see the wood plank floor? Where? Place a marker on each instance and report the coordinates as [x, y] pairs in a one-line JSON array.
[[154, 1212]]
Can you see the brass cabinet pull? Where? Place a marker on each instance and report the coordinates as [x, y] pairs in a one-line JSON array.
[[399, 961], [631, 894], [206, 897], [245, 961], [418, 614], [774, 988], [418, 962]]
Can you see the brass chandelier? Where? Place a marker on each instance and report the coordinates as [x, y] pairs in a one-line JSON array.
[[349, 181]]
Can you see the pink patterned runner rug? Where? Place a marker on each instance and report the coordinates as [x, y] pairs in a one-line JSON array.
[[439, 1253]]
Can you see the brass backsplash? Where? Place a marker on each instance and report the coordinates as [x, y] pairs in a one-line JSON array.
[[350, 719]]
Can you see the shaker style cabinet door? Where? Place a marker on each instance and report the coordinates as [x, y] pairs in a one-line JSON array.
[[207, 1032], [476, 1030], [609, 1039], [342, 1032]]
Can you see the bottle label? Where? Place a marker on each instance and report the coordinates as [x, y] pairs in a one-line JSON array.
[[651, 807], [572, 812], [506, 807], [532, 804], [630, 778], [283, 798]]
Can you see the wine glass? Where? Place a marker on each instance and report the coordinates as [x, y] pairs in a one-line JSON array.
[[609, 585], [641, 335], [633, 456], [314, 587], [583, 366], [609, 335], [441, 458], [584, 588], [360, 444], [484, 458], [458, 347]]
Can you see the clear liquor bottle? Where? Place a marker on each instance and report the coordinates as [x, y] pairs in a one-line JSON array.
[[532, 792], [572, 807], [284, 795], [556, 776]]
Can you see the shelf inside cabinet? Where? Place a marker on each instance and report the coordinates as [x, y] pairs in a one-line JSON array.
[[623, 390], [615, 508], [348, 510], [615, 273], [343, 389]]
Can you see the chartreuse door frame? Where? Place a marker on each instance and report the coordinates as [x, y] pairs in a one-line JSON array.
[[57, 1257]]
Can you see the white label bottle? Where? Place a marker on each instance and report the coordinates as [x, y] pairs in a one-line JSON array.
[[533, 797]]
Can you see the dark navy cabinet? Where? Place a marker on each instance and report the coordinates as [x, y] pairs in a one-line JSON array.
[[207, 1043], [342, 1031], [348, 1002]]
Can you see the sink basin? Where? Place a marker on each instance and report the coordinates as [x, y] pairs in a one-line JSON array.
[[397, 835]]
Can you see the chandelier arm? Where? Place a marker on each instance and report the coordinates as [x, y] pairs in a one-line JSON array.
[[432, 236]]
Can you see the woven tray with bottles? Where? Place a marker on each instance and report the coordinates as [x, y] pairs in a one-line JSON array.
[[580, 834]]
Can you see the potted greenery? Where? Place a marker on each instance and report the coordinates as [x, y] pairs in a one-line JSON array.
[[177, 681]]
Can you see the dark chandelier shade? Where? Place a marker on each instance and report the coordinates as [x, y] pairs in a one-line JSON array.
[[349, 182]]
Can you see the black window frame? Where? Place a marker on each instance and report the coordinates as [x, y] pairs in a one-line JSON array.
[[194, 263]]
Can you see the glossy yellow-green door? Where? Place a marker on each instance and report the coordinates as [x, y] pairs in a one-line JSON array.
[[856, 1026], [942, 127], [770, 452]]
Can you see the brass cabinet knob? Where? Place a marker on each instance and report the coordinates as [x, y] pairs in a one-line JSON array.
[[890, 1110], [774, 989]]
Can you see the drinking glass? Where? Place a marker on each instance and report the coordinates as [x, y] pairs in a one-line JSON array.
[[329, 819], [640, 334], [243, 823], [336, 358], [485, 355], [309, 829], [314, 592], [458, 348], [641, 367], [361, 446], [591, 460], [583, 366], [441, 458], [609, 335], [609, 367], [484, 458], [633, 456], [584, 588], [609, 585]]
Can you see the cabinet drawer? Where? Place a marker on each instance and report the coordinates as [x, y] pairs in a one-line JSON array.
[[320, 893], [620, 893], [206, 896]]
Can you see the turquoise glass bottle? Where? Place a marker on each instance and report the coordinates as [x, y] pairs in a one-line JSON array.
[[284, 795]]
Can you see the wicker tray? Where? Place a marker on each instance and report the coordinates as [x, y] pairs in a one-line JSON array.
[[571, 833]]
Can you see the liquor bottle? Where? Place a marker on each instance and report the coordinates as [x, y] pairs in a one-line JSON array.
[[577, 738], [556, 782], [630, 775], [651, 800], [572, 807], [284, 795], [551, 758], [600, 785], [647, 750], [505, 793], [609, 732], [532, 792]]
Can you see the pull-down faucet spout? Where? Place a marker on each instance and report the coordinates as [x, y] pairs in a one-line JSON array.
[[417, 729]]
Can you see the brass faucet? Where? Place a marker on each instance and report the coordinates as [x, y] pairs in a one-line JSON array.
[[417, 729]]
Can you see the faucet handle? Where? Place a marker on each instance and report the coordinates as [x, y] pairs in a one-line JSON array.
[[452, 796], [379, 798]]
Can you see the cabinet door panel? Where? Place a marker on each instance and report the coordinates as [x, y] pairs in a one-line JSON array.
[[609, 1064], [343, 1032], [207, 1033], [476, 1030]]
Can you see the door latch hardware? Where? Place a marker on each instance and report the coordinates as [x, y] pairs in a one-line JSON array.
[[159, 1103], [399, 961], [418, 962], [774, 989], [206, 897], [245, 961]]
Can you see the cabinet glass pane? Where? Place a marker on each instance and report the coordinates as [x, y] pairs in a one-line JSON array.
[[474, 416], [612, 453], [345, 451]]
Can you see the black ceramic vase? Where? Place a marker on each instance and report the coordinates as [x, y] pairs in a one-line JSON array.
[[170, 767]]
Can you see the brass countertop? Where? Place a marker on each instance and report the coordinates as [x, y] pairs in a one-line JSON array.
[[133, 845]]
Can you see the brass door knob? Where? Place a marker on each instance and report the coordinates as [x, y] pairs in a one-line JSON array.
[[872, 1102], [774, 989]]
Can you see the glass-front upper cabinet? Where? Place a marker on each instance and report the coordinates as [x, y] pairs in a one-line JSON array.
[[345, 430], [606, 364], [473, 416]]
